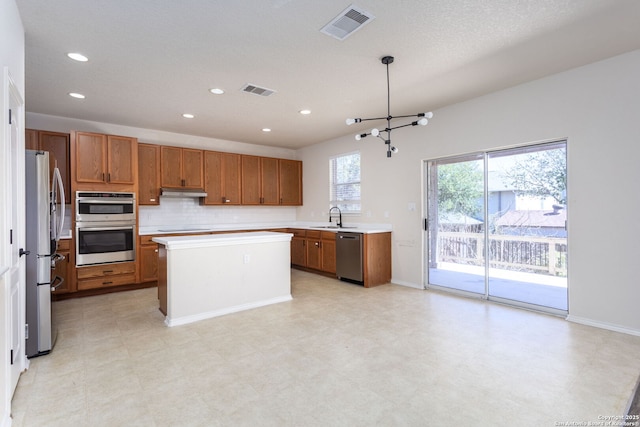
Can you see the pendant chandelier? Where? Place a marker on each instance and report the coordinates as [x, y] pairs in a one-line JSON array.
[[422, 118]]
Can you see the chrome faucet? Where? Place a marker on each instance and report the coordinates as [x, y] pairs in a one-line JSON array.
[[339, 224]]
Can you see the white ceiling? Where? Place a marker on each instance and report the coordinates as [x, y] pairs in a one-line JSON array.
[[152, 60]]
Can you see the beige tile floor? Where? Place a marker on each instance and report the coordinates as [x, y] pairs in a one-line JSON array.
[[337, 355]]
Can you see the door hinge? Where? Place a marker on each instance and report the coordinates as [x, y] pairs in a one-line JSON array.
[[11, 356], [425, 224], [11, 237], [26, 331], [9, 115]]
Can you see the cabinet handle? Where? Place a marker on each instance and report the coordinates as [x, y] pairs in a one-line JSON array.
[[107, 283], [280, 200], [103, 176], [107, 271], [183, 182], [109, 177], [156, 251]]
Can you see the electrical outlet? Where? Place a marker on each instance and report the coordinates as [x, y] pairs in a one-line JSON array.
[[246, 258]]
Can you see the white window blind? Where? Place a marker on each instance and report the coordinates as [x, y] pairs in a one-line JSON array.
[[345, 182]]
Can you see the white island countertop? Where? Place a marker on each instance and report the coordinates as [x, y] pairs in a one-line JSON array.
[[226, 239]]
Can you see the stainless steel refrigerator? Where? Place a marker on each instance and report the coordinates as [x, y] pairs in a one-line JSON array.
[[44, 223]]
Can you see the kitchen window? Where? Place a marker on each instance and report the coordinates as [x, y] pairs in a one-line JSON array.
[[345, 182]]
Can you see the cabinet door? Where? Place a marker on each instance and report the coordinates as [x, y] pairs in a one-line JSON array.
[[213, 178], [30, 139], [251, 194], [148, 263], [290, 183], [298, 251], [269, 181], [328, 248], [231, 178], [58, 145], [171, 167], [192, 168], [148, 174], [120, 160], [314, 254], [91, 157]]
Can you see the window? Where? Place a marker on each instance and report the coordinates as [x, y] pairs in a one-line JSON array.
[[345, 182]]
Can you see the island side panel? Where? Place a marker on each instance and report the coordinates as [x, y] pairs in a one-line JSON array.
[[210, 281], [162, 278]]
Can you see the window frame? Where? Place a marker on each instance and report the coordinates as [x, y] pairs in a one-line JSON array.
[[333, 198]]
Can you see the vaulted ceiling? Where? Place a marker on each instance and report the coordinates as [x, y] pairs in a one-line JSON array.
[[150, 61]]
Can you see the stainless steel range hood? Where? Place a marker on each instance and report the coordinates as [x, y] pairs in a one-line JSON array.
[[182, 192]]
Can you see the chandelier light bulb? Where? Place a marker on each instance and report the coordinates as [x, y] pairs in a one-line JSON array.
[[350, 121], [375, 132], [358, 137], [429, 115], [423, 122]]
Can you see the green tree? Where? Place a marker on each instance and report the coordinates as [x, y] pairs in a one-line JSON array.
[[460, 188], [541, 174]]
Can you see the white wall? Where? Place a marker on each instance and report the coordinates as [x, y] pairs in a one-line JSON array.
[[12, 57], [595, 107]]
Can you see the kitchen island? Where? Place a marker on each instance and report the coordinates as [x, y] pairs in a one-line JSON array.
[[204, 276]]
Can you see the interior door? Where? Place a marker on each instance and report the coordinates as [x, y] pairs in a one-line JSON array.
[[16, 273]]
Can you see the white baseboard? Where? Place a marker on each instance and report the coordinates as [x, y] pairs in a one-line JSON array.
[[5, 421], [216, 313], [407, 284], [603, 325]]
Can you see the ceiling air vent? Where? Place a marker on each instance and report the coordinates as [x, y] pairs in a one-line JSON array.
[[256, 90], [348, 22]]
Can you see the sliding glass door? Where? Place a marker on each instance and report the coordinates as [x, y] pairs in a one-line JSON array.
[[496, 225]]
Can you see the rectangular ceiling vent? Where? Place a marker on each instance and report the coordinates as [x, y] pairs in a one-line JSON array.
[[257, 90], [348, 22]]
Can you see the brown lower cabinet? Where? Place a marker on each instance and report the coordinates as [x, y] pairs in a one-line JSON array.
[[147, 259], [316, 250], [105, 275]]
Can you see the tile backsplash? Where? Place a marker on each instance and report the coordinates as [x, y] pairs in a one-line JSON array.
[[183, 211]]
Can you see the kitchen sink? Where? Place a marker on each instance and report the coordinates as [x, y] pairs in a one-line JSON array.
[[334, 227]]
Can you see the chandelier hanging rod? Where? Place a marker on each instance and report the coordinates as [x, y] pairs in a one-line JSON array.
[[386, 60]]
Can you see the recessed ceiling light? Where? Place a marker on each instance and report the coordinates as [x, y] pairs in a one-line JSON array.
[[216, 91], [266, 130], [188, 116], [305, 112], [77, 95], [77, 57]]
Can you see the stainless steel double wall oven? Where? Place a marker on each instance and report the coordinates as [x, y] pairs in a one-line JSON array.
[[105, 227]]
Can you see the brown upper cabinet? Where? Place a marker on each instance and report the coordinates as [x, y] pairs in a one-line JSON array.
[[260, 181], [222, 180], [290, 182], [57, 144], [104, 160], [148, 174], [181, 167]]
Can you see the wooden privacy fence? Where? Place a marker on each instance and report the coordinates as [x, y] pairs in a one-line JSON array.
[[546, 255]]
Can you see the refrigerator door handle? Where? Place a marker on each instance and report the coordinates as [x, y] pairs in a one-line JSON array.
[[23, 252], [58, 183]]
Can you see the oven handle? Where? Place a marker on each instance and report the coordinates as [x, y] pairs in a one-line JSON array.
[[115, 227], [107, 202]]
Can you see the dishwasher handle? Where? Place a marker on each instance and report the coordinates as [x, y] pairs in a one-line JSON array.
[[349, 237]]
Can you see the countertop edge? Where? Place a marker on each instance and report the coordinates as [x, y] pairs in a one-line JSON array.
[[146, 231], [226, 239]]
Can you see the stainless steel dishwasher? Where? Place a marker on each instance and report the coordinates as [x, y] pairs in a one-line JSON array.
[[349, 257]]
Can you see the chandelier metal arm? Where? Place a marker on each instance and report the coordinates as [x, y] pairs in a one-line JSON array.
[[386, 60]]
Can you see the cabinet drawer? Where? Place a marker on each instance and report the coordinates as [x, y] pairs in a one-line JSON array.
[[106, 281], [297, 232], [313, 234], [146, 240], [106, 270], [64, 244], [328, 235]]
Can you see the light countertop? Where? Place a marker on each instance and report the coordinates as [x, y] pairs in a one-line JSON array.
[[226, 239], [208, 228]]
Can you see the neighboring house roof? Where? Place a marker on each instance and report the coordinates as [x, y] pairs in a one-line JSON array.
[[533, 219], [457, 219]]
